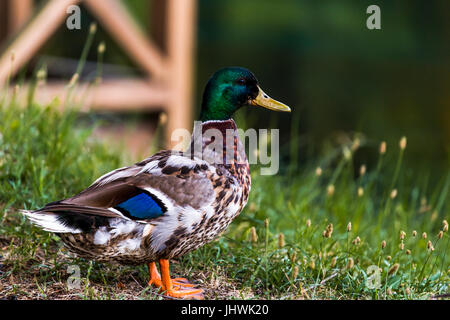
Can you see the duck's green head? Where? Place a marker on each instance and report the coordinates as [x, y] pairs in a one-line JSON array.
[[232, 88]]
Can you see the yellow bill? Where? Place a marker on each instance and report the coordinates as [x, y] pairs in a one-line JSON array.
[[263, 100]]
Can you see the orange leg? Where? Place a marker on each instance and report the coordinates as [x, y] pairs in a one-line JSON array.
[[168, 284], [155, 278]]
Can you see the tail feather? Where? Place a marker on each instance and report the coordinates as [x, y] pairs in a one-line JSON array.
[[49, 221]]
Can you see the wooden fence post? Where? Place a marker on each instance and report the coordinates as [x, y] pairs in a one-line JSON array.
[[19, 11], [180, 48]]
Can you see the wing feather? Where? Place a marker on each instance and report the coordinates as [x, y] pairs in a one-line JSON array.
[[142, 192]]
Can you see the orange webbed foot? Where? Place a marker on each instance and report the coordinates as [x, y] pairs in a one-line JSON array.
[[182, 282], [189, 294], [178, 288], [155, 279]]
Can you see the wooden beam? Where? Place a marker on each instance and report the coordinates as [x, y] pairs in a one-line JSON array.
[[118, 22], [110, 95], [181, 17], [19, 11], [33, 36], [158, 23]]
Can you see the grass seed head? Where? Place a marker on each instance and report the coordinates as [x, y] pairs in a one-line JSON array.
[[440, 234], [281, 240], [41, 74], [383, 147], [430, 246], [347, 153], [349, 227], [402, 143], [402, 235], [393, 269], [254, 234], [93, 28], [389, 291], [293, 257], [408, 252], [333, 262], [362, 170], [414, 233], [360, 192], [163, 119], [350, 263], [356, 144], [424, 235], [388, 258], [295, 273], [101, 48], [318, 171], [393, 194], [308, 223], [328, 231], [445, 227], [356, 241], [407, 291], [402, 246], [383, 244], [266, 223], [330, 190]]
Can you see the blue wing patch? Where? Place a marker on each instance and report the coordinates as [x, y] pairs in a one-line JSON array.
[[142, 206]]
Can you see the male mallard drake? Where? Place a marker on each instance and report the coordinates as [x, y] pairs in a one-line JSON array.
[[170, 203]]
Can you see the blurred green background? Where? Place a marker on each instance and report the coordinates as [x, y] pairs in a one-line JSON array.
[[319, 58]]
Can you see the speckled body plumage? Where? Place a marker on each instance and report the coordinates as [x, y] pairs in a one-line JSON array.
[[193, 220]]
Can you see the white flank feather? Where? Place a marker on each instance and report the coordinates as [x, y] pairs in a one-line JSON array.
[[129, 245], [119, 226], [101, 236], [189, 217]]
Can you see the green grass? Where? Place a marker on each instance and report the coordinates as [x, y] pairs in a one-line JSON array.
[[45, 156], [293, 257]]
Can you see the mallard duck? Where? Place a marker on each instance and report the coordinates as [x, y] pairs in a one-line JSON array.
[[170, 203]]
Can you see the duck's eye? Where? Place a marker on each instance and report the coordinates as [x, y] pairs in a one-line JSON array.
[[241, 81]]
